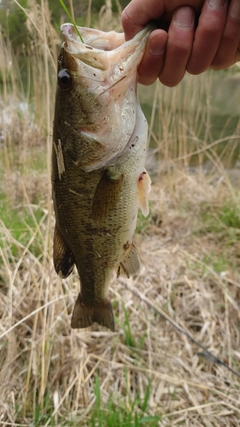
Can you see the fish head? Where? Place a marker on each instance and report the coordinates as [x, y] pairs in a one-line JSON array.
[[96, 94]]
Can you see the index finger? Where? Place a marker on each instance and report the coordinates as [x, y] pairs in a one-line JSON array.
[[139, 12]]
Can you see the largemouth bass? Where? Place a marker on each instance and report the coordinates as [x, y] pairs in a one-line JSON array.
[[98, 156]]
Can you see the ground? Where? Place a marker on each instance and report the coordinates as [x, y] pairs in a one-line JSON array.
[[189, 246]]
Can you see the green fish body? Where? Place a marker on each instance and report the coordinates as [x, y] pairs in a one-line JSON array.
[[98, 157]]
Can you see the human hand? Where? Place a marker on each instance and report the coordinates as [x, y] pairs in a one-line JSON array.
[[214, 43]]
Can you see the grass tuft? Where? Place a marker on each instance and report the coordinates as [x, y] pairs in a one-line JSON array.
[[112, 415]]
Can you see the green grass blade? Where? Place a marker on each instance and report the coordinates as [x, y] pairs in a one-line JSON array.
[[146, 398], [71, 19]]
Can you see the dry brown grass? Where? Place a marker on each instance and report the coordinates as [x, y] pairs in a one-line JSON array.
[[44, 362], [190, 271]]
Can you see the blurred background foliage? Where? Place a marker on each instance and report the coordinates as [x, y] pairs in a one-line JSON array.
[[13, 18]]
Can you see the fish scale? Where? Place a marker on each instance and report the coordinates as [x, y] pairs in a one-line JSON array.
[[98, 177]]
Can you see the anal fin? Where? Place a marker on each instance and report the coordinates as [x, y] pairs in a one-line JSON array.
[[130, 263], [144, 188], [63, 258], [85, 315]]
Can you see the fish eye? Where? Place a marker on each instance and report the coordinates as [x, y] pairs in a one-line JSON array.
[[64, 79]]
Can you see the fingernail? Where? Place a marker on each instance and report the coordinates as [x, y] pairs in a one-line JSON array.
[[216, 4], [157, 51], [184, 17], [234, 10], [157, 46]]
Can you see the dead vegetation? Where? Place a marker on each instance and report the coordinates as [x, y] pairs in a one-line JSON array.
[[189, 246], [46, 364]]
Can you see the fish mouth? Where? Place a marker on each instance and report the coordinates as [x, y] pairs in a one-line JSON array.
[[102, 49], [103, 76]]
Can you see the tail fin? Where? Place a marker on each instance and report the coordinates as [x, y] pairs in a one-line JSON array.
[[84, 315]]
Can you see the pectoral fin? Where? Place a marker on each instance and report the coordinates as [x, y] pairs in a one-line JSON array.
[[144, 188], [106, 195], [63, 258], [130, 263]]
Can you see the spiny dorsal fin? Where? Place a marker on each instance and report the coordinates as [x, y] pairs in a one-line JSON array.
[[62, 256], [144, 188], [106, 195], [130, 263]]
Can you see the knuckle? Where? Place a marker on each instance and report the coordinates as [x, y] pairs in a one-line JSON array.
[[180, 49]]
